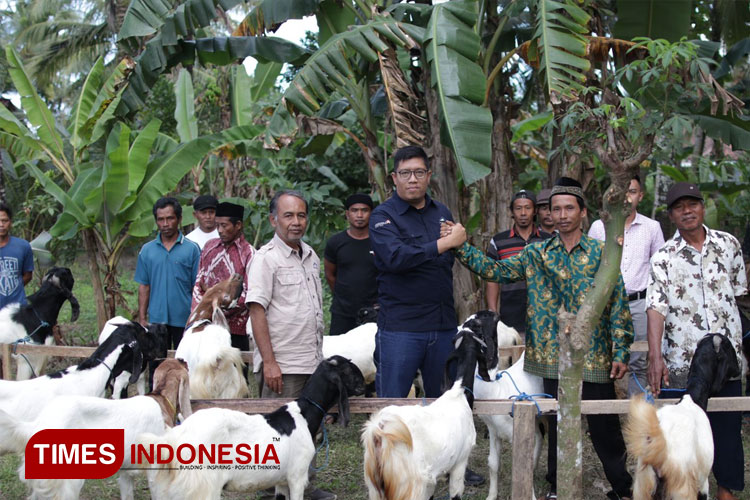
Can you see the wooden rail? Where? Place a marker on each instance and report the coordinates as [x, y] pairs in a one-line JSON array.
[[524, 412]]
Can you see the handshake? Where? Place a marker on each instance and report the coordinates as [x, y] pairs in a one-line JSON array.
[[452, 235]]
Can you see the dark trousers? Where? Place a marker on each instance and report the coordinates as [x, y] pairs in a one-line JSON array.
[[398, 356], [606, 436], [174, 335], [241, 342], [726, 427], [341, 324]]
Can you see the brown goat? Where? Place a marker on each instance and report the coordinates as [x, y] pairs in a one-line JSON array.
[[223, 294], [172, 390]]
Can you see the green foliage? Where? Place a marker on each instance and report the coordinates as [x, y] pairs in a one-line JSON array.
[[646, 18], [453, 49], [559, 46]]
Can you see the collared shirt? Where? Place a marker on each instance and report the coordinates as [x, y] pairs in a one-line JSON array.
[[513, 295], [641, 241], [170, 274], [415, 283], [695, 291], [218, 263], [288, 286], [197, 235], [557, 278]]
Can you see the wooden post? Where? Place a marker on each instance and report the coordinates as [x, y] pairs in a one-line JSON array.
[[6, 361], [524, 422]]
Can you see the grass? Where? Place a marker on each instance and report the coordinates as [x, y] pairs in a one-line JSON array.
[[343, 473]]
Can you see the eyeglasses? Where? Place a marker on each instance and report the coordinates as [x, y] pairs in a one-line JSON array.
[[405, 175]]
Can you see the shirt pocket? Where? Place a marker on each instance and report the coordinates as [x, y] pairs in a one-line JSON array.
[[184, 275], [289, 278]]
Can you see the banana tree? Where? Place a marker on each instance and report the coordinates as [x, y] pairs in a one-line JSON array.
[[114, 201], [65, 150]]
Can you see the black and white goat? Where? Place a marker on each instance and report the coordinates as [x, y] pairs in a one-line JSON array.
[[122, 351], [674, 446], [407, 448], [215, 366], [154, 413], [33, 322], [153, 341], [505, 382], [288, 430]]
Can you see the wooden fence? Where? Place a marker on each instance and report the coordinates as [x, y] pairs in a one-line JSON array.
[[525, 412]]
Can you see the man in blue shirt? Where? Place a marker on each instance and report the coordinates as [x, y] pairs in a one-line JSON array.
[[16, 261], [166, 272]]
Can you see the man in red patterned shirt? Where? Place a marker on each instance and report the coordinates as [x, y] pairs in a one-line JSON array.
[[222, 257]]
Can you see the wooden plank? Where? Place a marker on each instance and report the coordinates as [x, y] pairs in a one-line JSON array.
[[481, 406], [524, 422], [5, 349], [84, 352]]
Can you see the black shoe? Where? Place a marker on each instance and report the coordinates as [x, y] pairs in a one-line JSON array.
[[471, 478]]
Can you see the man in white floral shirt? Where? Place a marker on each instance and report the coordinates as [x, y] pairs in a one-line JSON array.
[[694, 280]]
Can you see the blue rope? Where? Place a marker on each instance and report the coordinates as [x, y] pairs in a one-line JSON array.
[[470, 391], [326, 444], [521, 396], [747, 334], [325, 435], [649, 395]]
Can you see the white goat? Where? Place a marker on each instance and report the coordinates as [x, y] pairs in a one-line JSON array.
[[358, 345], [24, 399], [504, 384], [407, 448], [215, 366], [34, 322], [674, 446], [154, 413], [156, 343], [287, 433]]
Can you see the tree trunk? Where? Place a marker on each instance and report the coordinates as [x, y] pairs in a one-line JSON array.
[[466, 293], [574, 336], [89, 244]]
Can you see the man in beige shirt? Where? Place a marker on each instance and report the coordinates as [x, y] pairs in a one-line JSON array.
[[285, 298]]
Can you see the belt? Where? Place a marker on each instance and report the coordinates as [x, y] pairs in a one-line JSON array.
[[637, 295]]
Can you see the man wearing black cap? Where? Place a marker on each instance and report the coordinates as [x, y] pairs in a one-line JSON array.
[[559, 272], [507, 244], [221, 258], [204, 210], [695, 279], [543, 211], [349, 267]]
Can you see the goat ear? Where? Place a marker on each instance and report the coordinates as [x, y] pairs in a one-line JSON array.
[[183, 396], [727, 366], [219, 318], [135, 372], [447, 378], [75, 308], [343, 401]]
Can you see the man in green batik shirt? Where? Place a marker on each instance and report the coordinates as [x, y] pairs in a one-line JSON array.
[[558, 273]]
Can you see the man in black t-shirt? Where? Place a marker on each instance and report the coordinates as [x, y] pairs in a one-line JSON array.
[[349, 267], [507, 244]]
